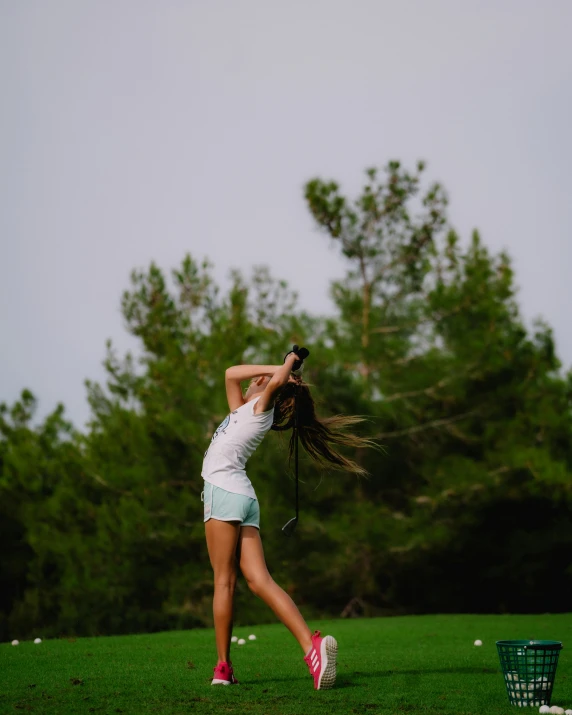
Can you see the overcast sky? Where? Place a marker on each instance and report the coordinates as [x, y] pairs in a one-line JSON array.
[[133, 131]]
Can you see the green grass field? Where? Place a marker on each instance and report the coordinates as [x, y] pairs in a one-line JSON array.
[[417, 664]]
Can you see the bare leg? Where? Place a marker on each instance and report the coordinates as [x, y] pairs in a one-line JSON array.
[[261, 583], [222, 539]]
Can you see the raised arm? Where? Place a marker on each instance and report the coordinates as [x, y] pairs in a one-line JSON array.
[[280, 377], [237, 374]]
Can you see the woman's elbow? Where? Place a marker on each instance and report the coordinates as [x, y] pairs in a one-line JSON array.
[[276, 383]]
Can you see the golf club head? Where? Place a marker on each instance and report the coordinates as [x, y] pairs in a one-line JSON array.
[[290, 526]]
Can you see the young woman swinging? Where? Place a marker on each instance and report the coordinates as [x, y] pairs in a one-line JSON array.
[[274, 398]]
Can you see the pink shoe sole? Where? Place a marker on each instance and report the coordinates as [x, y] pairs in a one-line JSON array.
[[329, 654]]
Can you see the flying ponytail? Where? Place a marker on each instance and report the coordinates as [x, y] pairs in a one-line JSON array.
[[319, 436]]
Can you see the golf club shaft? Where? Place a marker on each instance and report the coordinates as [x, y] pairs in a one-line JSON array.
[[296, 450]]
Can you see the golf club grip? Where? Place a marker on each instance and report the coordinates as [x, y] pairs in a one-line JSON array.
[[301, 353]]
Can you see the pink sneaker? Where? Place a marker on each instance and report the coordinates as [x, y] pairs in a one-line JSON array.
[[224, 675], [321, 661]]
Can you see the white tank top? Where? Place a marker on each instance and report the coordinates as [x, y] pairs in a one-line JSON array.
[[235, 439]]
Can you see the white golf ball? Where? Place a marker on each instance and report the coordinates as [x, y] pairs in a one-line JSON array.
[[233, 639], [556, 710], [252, 637], [241, 641], [477, 642], [15, 642], [544, 709], [37, 640]]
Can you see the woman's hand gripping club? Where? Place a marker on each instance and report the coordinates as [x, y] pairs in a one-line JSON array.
[[301, 355]]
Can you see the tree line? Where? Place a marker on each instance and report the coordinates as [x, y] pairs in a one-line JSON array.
[[467, 507]]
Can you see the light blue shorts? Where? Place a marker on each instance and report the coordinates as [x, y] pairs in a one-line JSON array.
[[226, 506]]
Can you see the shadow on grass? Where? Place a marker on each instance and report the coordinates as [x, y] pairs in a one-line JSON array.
[[424, 671], [353, 679]]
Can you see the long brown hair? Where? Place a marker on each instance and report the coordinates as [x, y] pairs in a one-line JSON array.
[[319, 436]]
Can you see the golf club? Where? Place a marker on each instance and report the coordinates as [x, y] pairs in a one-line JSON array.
[[290, 526]]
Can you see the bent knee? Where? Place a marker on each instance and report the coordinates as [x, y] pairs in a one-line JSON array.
[[259, 585]]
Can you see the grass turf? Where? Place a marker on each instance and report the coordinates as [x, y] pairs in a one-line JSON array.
[[416, 664]]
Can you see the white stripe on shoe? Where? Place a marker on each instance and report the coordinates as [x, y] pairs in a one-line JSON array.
[[329, 652]]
